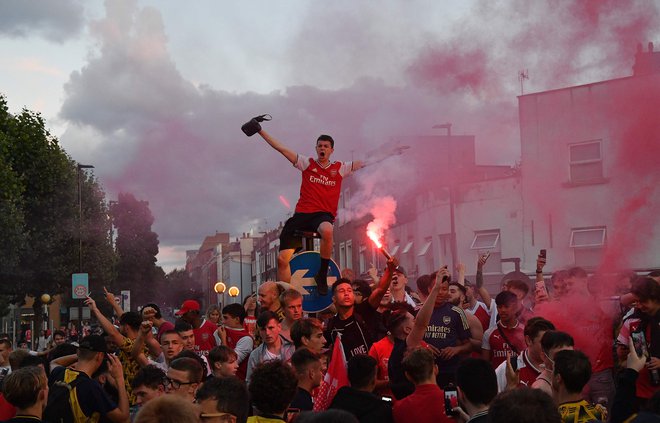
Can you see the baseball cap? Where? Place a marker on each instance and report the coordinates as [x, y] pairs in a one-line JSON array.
[[94, 343], [401, 270], [188, 305]]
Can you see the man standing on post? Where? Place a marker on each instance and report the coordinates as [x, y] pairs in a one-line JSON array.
[[317, 205]]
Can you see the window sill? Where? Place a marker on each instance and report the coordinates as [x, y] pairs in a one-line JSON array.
[[600, 181]]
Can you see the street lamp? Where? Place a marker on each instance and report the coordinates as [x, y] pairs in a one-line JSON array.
[[80, 166], [234, 292], [220, 289]]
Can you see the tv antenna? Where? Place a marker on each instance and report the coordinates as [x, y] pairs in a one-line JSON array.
[[522, 75]]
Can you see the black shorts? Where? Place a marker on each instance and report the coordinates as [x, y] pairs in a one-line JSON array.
[[307, 222]]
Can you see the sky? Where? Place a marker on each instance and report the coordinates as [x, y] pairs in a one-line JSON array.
[[153, 93]]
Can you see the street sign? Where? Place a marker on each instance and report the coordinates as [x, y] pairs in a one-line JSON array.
[[303, 268], [79, 286]]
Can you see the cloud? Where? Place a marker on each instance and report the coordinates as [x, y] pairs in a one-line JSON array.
[[53, 20], [178, 144]]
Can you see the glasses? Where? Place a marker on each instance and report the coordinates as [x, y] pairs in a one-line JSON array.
[[175, 384], [225, 417]]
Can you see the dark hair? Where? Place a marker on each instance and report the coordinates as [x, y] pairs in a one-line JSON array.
[[230, 393], [396, 313], [221, 354], [362, 286], [189, 365], [324, 137], [646, 289], [5, 342], [33, 360], [150, 376], [265, 317], [62, 350], [418, 364], [537, 324], [132, 319], [574, 368], [59, 333], [654, 274], [517, 284], [576, 272], [524, 405], [235, 311], [182, 326], [424, 284], [505, 298], [554, 338], [172, 332], [158, 314], [341, 281], [477, 380], [304, 327], [459, 286], [272, 387], [302, 358], [361, 370], [21, 387]]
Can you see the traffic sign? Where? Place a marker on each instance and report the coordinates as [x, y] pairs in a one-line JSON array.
[[79, 285], [303, 268]]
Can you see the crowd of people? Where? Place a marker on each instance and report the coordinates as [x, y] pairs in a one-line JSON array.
[[449, 351]]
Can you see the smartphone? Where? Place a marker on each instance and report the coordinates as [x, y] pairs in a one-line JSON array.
[[451, 399], [639, 341], [386, 398], [485, 255], [543, 253]]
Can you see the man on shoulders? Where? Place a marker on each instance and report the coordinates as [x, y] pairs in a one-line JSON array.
[[317, 206]]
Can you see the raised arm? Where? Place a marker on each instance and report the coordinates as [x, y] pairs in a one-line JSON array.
[[110, 298], [290, 155], [479, 280], [383, 283], [414, 338], [107, 326]]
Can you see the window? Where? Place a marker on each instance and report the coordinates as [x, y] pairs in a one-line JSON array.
[[395, 249], [588, 245], [425, 247], [445, 245], [342, 256], [407, 248], [362, 258], [489, 240], [586, 162], [485, 240], [349, 254]]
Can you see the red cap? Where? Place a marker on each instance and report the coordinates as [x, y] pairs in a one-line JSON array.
[[188, 305]]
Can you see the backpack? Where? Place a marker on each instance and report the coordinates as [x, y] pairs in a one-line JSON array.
[[58, 409]]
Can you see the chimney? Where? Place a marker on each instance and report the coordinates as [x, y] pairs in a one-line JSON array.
[[646, 62]]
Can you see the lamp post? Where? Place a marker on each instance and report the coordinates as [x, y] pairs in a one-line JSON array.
[[220, 288], [80, 166], [452, 195]]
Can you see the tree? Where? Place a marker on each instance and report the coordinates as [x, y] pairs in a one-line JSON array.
[[39, 210], [137, 247]]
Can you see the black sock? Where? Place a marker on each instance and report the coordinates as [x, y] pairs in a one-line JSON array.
[[323, 271]]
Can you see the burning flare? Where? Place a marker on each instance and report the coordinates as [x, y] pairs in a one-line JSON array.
[[374, 237]]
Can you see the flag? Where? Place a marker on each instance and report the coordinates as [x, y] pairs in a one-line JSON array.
[[335, 378]]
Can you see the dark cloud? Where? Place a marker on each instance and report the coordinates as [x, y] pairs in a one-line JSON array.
[[179, 146], [53, 20]]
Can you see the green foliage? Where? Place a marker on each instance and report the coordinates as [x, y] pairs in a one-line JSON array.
[[39, 213], [137, 247]]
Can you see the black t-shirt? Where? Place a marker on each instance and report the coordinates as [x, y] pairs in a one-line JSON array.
[[356, 333], [91, 396], [302, 401], [400, 385]]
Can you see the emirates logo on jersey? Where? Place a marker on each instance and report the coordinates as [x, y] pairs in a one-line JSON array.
[[333, 173], [446, 320]]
